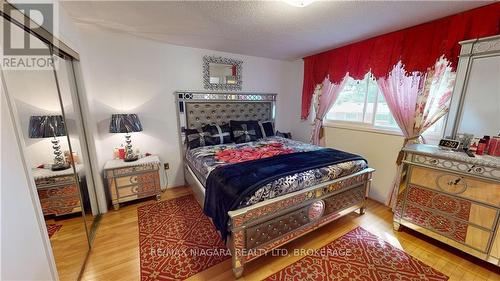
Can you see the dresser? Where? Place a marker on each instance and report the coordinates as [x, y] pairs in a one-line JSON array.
[[129, 181], [453, 198], [58, 190]]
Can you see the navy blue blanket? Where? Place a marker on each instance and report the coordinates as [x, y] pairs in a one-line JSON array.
[[228, 185]]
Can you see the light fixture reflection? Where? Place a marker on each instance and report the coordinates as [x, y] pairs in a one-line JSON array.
[[298, 3]]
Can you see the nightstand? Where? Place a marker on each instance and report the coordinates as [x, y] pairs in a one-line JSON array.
[[58, 190], [129, 181]]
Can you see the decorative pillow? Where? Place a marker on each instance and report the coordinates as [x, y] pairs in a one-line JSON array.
[[243, 132], [266, 128], [284, 135], [218, 134], [250, 125], [196, 138]]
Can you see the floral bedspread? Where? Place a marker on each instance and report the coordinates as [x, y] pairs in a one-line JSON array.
[[203, 160]]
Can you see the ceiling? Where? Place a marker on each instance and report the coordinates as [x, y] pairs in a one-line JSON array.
[[270, 29]]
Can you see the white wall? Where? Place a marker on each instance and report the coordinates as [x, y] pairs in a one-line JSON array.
[[381, 151], [123, 73], [25, 248]]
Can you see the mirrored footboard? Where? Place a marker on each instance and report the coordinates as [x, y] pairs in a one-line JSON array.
[[260, 228]]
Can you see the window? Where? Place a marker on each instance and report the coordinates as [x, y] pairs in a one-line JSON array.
[[362, 103]]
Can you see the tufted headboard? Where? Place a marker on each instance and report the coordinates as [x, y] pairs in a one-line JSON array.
[[195, 109]]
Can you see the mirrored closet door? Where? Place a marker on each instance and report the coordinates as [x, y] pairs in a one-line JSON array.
[[44, 102]]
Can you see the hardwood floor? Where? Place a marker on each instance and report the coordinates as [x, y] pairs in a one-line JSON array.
[[115, 253], [69, 246]]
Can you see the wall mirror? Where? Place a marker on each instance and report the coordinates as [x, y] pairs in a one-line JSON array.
[[475, 107], [221, 73], [46, 109]]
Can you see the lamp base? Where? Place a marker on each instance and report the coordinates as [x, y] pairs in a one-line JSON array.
[[131, 159], [60, 167]]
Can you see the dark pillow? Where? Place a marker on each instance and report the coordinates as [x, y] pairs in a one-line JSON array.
[[196, 138], [284, 135], [250, 124], [218, 134], [244, 132], [267, 129]]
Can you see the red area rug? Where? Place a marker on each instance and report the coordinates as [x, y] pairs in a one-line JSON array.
[[53, 228], [177, 240], [358, 255]]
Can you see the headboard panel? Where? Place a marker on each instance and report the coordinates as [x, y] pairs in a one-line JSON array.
[[199, 114], [195, 109]]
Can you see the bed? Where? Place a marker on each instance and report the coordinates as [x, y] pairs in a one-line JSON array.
[[286, 206]]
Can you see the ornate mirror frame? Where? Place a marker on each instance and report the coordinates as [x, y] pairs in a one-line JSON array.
[[222, 87]]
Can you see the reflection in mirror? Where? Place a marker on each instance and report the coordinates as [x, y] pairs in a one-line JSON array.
[[48, 138], [315, 210], [75, 132], [481, 107], [221, 73]]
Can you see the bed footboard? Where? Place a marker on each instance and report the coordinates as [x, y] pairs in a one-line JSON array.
[[258, 229]]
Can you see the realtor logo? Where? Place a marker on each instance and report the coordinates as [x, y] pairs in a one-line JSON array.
[[23, 50]]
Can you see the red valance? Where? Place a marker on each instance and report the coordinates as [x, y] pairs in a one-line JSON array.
[[418, 47]]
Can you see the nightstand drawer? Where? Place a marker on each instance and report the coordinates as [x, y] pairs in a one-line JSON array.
[[55, 180], [60, 191], [126, 171], [61, 205], [141, 178], [458, 185], [138, 191]]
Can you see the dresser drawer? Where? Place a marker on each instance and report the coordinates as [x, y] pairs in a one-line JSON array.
[[452, 207], [458, 185], [456, 166], [449, 227]]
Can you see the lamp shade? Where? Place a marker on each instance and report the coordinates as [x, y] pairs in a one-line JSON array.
[[125, 123], [46, 126]]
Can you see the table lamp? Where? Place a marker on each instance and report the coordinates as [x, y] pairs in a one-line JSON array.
[[50, 126], [126, 123]]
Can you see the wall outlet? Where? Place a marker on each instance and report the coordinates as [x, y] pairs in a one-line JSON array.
[[166, 166]]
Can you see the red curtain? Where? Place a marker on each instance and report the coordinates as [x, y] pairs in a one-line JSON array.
[[418, 47]]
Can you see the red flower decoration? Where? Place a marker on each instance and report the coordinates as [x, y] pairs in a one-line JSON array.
[[251, 153]]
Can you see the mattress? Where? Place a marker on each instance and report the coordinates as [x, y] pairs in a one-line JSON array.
[[203, 160]]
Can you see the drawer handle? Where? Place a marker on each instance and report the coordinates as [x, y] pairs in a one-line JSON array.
[[453, 182], [133, 179]]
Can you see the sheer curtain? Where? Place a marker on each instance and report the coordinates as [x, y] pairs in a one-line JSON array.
[[416, 101], [325, 97]]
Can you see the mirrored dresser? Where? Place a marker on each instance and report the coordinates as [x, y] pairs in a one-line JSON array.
[[452, 198]]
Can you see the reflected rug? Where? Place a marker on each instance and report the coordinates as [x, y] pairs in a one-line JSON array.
[[358, 255], [177, 240], [53, 228]]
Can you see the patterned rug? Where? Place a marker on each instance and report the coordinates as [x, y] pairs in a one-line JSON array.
[[53, 228], [177, 240], [358, 255]]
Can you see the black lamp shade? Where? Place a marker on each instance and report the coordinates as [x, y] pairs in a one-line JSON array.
[[47, 126], [125, 123]]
